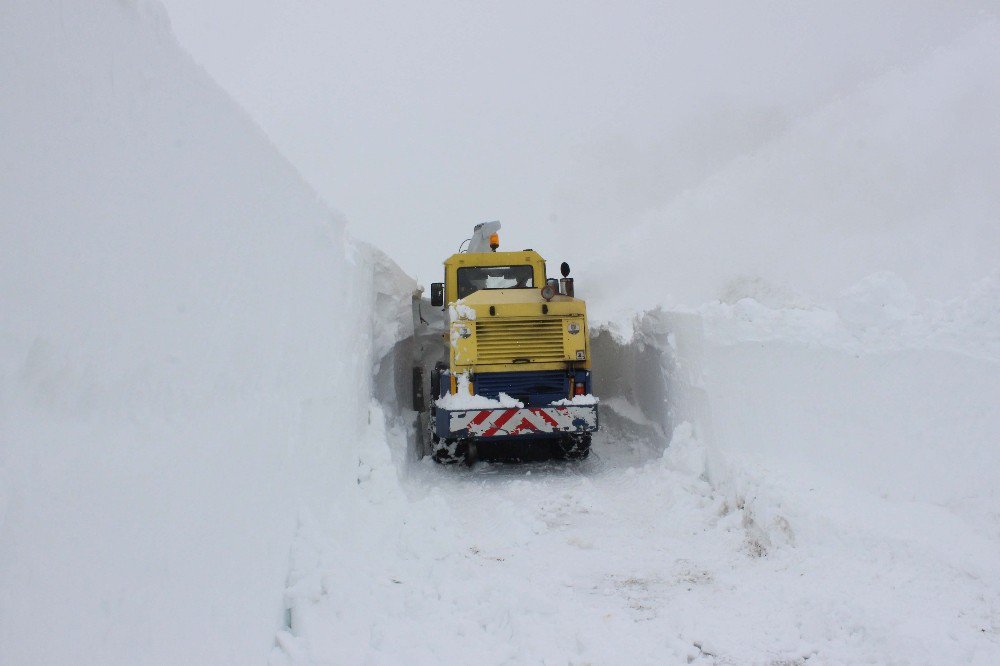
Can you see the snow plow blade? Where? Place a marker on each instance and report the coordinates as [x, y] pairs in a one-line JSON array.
[[527, 421]]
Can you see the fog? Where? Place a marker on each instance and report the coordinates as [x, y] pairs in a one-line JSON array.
[[569, 122]]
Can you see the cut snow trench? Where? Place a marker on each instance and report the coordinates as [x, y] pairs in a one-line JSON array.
[[645, 385]]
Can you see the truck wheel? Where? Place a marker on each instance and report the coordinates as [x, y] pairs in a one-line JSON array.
[[418, 389], [439, 369], [450, 451], [573, 447], [471, 453]]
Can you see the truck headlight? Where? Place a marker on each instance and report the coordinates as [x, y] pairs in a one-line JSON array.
[[573, 327]]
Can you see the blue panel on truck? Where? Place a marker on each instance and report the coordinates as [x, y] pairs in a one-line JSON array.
[[536, 388]]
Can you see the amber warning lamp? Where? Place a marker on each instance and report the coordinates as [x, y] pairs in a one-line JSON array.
[[494, 242]]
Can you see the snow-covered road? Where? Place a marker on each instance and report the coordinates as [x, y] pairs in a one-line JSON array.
[[603, 562]]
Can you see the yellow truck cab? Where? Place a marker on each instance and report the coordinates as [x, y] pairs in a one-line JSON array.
[[519, 356]]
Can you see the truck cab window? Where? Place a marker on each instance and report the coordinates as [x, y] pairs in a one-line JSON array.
[[473, 278]]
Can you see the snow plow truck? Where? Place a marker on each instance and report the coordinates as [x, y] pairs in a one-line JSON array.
[[517, 375]]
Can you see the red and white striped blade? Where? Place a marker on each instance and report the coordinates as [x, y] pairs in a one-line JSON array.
[[508, 422]]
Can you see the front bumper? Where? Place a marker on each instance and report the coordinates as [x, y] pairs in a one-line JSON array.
[[525, 422]]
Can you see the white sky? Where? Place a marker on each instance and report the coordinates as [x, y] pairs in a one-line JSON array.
[[417, 120]]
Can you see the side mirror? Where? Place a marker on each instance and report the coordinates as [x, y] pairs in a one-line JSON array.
[[564, 269], [437, 294]]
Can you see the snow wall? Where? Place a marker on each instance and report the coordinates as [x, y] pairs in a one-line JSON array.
[[815, 329], [831, 297], [186, 343]]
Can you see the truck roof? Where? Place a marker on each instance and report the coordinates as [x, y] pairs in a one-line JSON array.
[[494, 258]]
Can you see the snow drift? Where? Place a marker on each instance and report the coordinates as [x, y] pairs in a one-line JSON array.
[[185, 349]]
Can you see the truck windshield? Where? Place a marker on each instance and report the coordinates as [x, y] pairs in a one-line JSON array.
[[474, 278]]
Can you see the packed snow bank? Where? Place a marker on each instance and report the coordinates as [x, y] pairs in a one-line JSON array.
[[868, 463], [879, 313], [647, 378], [879, 390], [185, 349], [896, 401]]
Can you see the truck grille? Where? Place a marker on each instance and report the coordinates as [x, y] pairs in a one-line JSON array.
[[534, 340]]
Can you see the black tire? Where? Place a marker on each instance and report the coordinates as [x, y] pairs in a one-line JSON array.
[[436, 373], [450, 451], [572, 447], [435, 448], [418, 389]]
